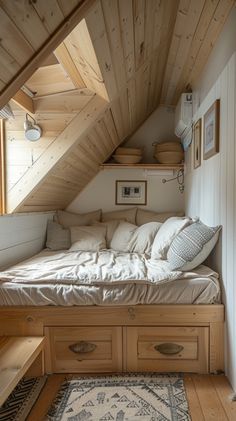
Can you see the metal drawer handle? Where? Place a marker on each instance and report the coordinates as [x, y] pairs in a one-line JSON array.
[[169, 348], [82, 347]]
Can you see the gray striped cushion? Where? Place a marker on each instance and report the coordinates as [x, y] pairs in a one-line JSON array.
[[192, 246]]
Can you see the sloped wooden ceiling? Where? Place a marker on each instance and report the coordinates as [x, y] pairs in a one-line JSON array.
[[29, 31], [133, 56]]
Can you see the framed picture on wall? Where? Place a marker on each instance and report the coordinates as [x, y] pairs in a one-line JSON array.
[[131, 192], [197, 140], [211, 130]]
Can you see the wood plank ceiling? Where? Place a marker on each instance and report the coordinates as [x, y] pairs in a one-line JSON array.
[[126, 57]]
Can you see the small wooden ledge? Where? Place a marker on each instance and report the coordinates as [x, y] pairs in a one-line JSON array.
[[16, 356], [113, 166]]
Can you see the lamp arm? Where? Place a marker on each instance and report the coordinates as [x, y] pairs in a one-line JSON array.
[[30, 116], [179, 178]]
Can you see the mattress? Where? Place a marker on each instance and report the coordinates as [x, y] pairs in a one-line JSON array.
[[106, 278]]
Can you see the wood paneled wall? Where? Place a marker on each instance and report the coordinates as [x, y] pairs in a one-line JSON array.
[[22, 236], [69, 163], [133, 54], [53, 113], [211, 194]]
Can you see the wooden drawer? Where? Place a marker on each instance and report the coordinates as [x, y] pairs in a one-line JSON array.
[[84, 349], [167, 349]]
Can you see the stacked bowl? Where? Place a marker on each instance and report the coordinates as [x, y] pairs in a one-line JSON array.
[[169, 153], [128, 155]]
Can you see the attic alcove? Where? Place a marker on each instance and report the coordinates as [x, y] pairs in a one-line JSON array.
[[101, 190], [102, 77]]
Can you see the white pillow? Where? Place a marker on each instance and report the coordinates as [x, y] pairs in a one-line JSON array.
[[88, 238], [69, 219], [192, 246], [58, 238], [143, 237], [166, 234], [122, 236], [110, 229], [128, 215]]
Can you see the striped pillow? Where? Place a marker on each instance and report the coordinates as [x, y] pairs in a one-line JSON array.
[[192, 246]]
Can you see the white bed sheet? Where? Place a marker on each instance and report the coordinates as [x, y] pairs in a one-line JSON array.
[[33, 282]]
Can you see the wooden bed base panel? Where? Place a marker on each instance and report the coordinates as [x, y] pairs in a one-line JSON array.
[[188, 338]]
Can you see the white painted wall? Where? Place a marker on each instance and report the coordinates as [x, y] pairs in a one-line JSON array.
[[100, 192], [211, 194], [22, 236], [158, 127]]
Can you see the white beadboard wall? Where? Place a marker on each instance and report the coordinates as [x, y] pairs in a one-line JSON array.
[[211, 194], [21, 236]]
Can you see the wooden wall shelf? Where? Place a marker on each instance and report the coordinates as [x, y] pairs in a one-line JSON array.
[[113, 166]]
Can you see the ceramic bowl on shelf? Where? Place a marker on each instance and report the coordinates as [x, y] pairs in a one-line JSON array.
[[128, 151], [127, 159], [169, 157], [168, 147]]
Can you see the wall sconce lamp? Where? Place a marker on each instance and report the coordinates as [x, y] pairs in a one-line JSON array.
[[33, 132]]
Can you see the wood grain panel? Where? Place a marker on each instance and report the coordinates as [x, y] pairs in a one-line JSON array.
[[80, 48], [185, 27], [142, 355], [58, 149], [134, 54], [49, 79], [16, 356], [107, 355], [26, 18], [20, 48], [68, 65], [208, 19]]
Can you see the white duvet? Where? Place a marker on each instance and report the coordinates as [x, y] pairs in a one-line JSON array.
[[106, 267]]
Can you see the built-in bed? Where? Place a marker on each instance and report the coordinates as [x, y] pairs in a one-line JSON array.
[[112, 311]]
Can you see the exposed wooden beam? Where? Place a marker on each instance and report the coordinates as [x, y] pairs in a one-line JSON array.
[[50, 60], [64, 58], [57, 151], [24, 101], [47, 48]]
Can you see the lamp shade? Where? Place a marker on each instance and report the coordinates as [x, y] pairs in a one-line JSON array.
[[33, 132]]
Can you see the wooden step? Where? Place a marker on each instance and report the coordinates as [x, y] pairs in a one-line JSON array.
[[16, 356]]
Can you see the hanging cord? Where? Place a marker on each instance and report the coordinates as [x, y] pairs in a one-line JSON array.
[[179, 178]]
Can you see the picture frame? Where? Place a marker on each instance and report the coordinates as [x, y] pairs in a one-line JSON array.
[[211, 130], [197, 143], [131, 192]]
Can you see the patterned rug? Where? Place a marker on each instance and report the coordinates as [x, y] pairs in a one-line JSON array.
[[131, 397], [18, 405]]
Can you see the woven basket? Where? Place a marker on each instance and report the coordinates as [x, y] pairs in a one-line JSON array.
[[168, 146], [128, 151], [127, 159], [169, 157]]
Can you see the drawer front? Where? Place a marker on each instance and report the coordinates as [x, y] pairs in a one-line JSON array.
[[85, 349], [167, 349]]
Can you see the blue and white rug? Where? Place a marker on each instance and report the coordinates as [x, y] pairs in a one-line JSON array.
[[131, 397], [20, 402]]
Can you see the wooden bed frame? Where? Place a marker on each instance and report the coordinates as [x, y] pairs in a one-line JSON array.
[[186, 338]]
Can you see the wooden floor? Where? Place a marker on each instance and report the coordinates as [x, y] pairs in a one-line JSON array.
[[209, 398]]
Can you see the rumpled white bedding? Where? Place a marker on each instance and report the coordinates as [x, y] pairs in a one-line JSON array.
[[99, 278]]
